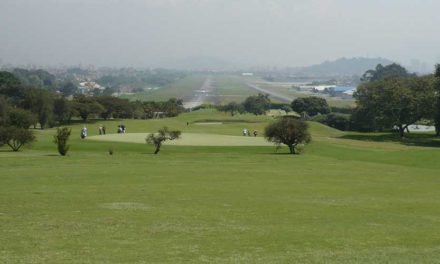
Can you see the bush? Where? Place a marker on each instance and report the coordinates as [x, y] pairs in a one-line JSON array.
[[289, 131], [281, 106], [257, 104], [338, 121], [342, 110], [16, 137], [163, 135], [21, 118], [311, 105], [61, 138]]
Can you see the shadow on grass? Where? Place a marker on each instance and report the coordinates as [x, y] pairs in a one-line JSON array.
[[411, 139], [91, 121], [283, 154], [227, 121]]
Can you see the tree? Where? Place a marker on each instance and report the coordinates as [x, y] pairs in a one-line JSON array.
[[61, 138], [86, 106], [16, 137], [62, 110], [4, 111], [437, 88], [396, 102], [173, 107], [116, 107], [37, 78], [335, 120], [288, 131], [21, 118], [163, 135], [257, 104], [68, 88], [381, 73], [8, 79], [311, 105], [231, 108], [40, 102]]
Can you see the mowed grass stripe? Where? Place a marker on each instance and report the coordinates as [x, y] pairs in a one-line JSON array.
[[189, 139]]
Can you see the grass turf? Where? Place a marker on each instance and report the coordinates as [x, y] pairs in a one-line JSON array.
[[348, 199]]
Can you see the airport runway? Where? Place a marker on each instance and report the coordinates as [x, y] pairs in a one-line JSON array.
[[278, 96]]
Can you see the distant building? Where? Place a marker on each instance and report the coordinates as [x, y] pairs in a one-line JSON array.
[[247, 74], [89, 86]]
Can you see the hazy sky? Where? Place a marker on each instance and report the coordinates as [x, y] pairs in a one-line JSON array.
[[243, 32]]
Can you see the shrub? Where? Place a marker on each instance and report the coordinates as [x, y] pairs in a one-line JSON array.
[[311, 105], [289, 131], [21, 118], [16, 137], [61, 138], [163, 135], [338, 121]]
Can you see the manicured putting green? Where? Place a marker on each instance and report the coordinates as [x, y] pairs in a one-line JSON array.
[[189, 139]]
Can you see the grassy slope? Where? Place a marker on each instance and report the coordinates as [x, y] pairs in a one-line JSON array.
[[343, 201]]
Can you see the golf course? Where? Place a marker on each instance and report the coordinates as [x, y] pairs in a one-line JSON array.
[[215, 196]]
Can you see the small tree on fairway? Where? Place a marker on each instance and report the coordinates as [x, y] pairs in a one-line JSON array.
[[163, 134], [61, 138], [288, 131], [16, 137]]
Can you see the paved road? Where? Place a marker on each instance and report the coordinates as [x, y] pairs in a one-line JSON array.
[[203, 95], [275, 95]]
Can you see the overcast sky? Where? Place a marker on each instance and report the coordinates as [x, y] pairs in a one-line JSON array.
[[243, 32]]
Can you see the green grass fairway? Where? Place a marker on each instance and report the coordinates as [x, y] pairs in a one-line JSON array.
[[180, 89], [232, 88], [189, 139], [350, 198]]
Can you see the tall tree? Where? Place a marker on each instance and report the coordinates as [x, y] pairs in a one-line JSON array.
[[257, 104], [395, 102], [40, 102], [383, 72], [4, 110], [62, 110], [21, 118], [86, 106], [311, 105]]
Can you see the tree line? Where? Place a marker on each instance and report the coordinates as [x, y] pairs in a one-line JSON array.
[[388, 98], [23, 106]]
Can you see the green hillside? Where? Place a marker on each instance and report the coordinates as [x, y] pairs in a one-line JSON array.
[[349, 198]]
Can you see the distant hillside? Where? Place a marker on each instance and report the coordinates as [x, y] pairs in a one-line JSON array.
[[343, 67]]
